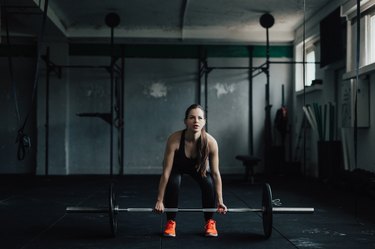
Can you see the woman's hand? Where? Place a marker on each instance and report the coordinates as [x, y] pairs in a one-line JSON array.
[[221, 208], [159, 207]]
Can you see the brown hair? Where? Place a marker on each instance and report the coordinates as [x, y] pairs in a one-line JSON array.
[[202, 145]]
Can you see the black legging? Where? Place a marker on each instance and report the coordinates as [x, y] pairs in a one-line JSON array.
[[173, 188]]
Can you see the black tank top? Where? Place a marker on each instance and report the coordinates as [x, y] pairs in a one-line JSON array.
[[180, 160]]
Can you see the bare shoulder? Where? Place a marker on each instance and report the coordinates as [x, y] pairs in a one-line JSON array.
[[174, 139], [210, 138], [212, 142]]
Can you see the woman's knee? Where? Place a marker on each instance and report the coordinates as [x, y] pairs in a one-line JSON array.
[[207, 182], [174, 182], [172, 190]]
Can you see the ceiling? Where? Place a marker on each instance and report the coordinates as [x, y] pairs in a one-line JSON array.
[[161, 21]]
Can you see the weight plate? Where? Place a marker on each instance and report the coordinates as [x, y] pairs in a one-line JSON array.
[[112, 212], [267, 210]]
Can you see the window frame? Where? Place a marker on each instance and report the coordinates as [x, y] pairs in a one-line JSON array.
[[310, 68], [367, 53], [310, 46], [371, 38]]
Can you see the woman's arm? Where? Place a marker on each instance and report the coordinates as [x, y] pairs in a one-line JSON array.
[[214, 166], [170, 149]]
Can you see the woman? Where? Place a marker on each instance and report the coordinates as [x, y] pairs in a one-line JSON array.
[[194, 152]]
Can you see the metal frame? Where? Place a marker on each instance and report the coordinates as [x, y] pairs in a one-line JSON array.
[[115, 73], [204, 70]]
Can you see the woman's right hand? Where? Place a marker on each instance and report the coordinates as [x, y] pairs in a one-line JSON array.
[[159, 207]]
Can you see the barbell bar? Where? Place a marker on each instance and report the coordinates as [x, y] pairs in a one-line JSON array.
[[267, 210], [275, 210]]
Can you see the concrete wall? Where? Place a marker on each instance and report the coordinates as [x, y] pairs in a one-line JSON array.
[[23, 70], [228, 106], [53, 159], [366, 136], [157, 92]]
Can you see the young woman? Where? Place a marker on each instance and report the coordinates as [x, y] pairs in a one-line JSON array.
[[194, 152]]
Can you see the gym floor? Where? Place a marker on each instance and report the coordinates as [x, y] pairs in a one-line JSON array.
[[33, 215]]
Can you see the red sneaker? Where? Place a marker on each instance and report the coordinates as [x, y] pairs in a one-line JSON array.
[[170, 229], [210, 228]]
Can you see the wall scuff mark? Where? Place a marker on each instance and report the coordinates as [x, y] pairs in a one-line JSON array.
[[157, 89], [224, 89]]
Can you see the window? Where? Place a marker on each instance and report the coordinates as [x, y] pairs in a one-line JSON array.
[[367, 35], [310, 67], [372, 39]]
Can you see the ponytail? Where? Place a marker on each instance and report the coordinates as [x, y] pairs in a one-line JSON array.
[[202, 145], [202, 153]]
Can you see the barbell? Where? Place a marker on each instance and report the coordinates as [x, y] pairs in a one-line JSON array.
[[267, 210]]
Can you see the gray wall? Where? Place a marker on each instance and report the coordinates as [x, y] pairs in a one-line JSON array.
[[228, 105], [23, 70], [228, 108], [157, 92], [54, 158], [366, 136]]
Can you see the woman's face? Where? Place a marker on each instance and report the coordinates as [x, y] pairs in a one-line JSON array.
[[195, 120]]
